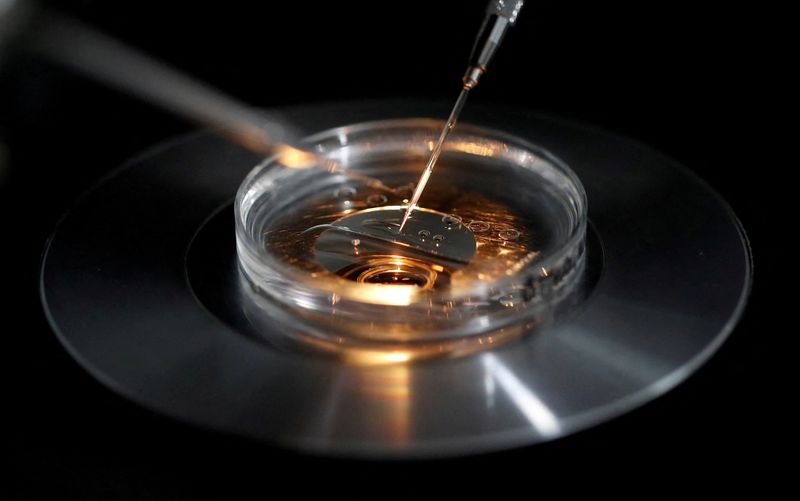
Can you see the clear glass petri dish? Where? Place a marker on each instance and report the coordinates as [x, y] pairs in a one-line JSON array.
[[497, 243]]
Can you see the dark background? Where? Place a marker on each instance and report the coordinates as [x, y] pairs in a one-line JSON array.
[[693, 80]]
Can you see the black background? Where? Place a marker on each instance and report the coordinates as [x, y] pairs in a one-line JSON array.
[[692, 80]]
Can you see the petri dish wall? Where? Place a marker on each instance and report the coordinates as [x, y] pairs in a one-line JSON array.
[[497, 244]]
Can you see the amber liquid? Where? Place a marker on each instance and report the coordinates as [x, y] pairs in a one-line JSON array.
[[503, 242]]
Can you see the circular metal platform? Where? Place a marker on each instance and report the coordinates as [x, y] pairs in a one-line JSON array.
[[140, 282]]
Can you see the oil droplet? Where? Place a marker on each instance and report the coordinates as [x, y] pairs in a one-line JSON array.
[[478, 226], [377, 199], [451, 222], [437, 239], [424, 234]]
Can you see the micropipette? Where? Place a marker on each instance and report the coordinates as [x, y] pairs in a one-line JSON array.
[[500, 15]]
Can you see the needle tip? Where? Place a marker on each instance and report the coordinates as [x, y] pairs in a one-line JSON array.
[[406, 216]]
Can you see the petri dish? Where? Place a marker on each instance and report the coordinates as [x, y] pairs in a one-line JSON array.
[[495, 247]]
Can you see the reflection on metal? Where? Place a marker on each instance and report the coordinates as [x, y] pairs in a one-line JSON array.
[[378, 357], [488, 385], [530, 405], [395, 295], [389, 388]]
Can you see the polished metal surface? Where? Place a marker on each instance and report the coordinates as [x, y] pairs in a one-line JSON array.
[[123, 285], [439, 238]]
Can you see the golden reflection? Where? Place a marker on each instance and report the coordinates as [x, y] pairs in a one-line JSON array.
[[375, 357], [390, 390], [473, 148], [392, 279], [292, 157], [392, 295], [355, 352]]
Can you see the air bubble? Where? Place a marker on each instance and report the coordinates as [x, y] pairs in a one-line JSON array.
[[424, 234], [508, 301], [437, 239], [478, 226], [377, 199], [451, 222], [356, 242], [512, 299], [508, 234], [345, 192]]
